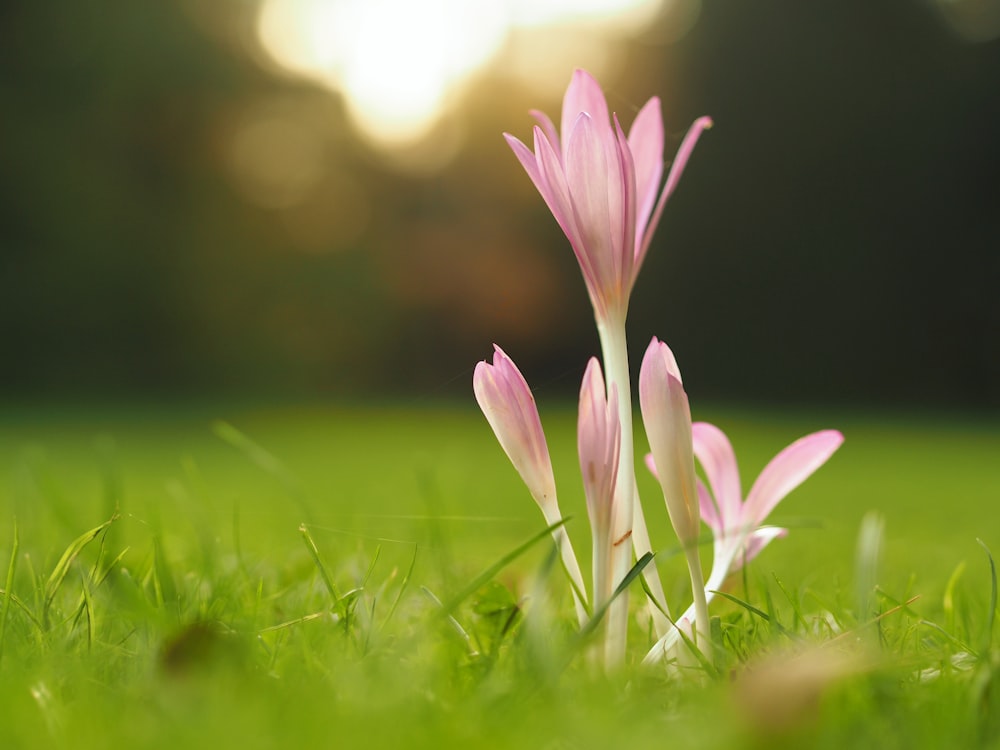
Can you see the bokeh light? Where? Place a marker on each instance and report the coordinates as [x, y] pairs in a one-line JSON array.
[[399, 64]]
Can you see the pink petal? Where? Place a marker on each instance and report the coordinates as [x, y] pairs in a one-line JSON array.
[[715, 454], [559, 199], [674, 176], [709, 511], [583, 95], [622, 206], [587, 176], [529, 162], [645, 140], [788, 470], [548, 128]]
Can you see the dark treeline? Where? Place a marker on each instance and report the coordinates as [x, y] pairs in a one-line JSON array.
[[836, 237]]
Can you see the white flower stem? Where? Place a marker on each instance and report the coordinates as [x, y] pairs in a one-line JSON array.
[[700, 602], [721, 563], [570, 565], [603, 585], [641, 544], [613, 345]]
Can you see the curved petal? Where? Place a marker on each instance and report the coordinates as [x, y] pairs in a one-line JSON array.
[[673, 177], [684, 153], [645, 140], [545, 122], [788, 470], [583, 95], [530, 164], [715, 454]]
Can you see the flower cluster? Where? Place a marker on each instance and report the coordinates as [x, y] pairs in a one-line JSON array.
[[607, 193]]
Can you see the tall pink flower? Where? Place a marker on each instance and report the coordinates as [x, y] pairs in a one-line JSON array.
[[506, 401], [602, 186]]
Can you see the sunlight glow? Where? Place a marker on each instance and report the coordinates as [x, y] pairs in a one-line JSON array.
[[399, 63]]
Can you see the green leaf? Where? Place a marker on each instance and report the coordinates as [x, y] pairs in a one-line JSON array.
[[492, 599], [68, 557]]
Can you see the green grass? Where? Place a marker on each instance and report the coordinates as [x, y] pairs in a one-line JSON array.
[[205, 616]]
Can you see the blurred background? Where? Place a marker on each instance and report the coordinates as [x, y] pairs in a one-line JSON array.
[[312, 197]]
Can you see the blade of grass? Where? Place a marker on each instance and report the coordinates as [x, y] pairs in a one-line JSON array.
[[371, 568], [111, 566], [296, 621], [652, 598], [793, 601], [499, 565], [402, 587], [870, 540], [8, 590], [991, 615], [698, 654], [320, 565], [595, 620], [455, 624], [948, 601], [958, 642], [749, 608], [266, 461], [88, 604]]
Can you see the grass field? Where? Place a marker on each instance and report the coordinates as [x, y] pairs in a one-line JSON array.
[[203, 616]]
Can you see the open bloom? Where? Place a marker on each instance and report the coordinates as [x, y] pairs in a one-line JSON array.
[[598, 443], [506, 401], [737, 524], [602, 187]]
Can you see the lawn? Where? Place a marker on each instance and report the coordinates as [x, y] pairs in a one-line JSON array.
[[207, 615]]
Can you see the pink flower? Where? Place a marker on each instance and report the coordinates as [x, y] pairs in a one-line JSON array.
[[598, 442], [735, 523], [667, 417], [602, 187], [506, 401]]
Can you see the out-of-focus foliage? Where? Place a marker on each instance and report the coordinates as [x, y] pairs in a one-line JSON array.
[[177, 217]]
